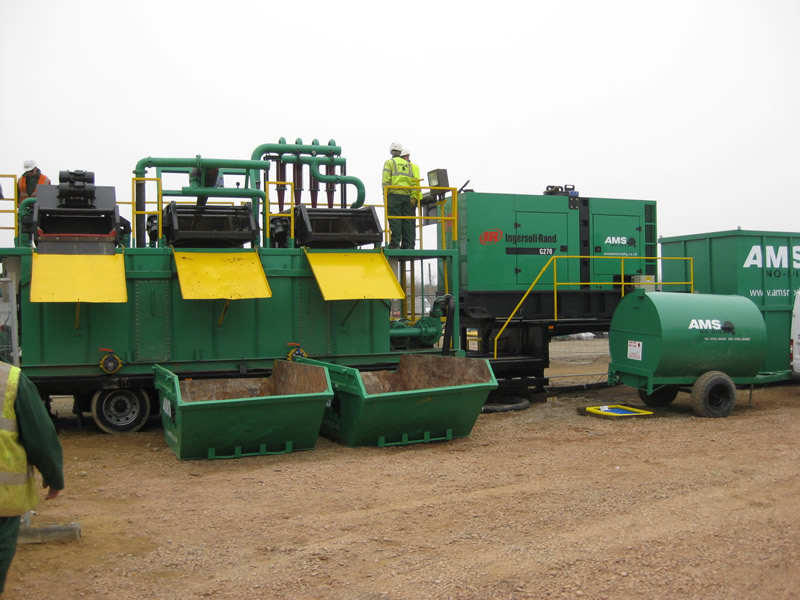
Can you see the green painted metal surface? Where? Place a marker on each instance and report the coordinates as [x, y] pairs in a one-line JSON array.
[[428, 398], [658, 338], [504, 240], [763, 266], [621, 229], [207, 419], [157, 325]]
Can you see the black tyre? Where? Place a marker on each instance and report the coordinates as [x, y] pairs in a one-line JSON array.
[[120, 411], [659, 398], [713, 395]]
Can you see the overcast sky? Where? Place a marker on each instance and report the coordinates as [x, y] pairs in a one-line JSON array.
[[692, 103]]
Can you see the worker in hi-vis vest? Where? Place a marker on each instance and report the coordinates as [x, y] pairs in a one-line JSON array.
[[397, 171], [416, 195], [30, 180], [28, 438]]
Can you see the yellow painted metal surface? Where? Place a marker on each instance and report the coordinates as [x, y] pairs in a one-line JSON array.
[[221, 275], [78, 278], [354, 276]]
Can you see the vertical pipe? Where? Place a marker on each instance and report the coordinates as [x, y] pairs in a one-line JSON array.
[[298, 175], [344, 188], [298, 182], [141, 201], [281, 188], [330, 187], [313, 186]]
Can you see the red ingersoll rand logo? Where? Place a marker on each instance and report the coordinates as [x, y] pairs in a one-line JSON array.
[[490, 237]]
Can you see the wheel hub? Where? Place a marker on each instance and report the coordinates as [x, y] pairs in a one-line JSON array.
[[120, 409]]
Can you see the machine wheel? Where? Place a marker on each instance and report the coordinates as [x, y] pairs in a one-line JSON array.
[[713, 395], [660, 398], [120, 411]]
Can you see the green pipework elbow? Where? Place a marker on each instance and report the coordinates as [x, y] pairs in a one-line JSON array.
[[297, 148], [426, 331], [199, 162]]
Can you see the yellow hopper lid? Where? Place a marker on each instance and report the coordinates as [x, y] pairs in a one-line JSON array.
[[78, 278], [221, 275], [354, 276]]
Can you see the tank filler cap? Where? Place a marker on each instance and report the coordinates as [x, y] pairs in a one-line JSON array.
[[109, 363]]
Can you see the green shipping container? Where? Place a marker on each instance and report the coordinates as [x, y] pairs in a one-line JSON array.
[[428, 398], [763, 266], [232, 418]]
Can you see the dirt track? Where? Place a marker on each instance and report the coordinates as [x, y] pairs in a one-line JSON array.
[[534, 504]]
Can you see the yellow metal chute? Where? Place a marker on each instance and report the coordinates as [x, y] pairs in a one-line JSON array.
[[78, 278], [354, 276], [221, 275]]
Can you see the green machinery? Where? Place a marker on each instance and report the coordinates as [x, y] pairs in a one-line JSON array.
[[661, 342], [533, 267], [763, 266], [209, 279]]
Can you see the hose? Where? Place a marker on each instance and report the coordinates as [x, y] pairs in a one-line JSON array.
[[500, 408], [450, 304]]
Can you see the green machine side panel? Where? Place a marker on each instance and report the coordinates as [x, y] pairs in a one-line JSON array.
[[157, 325], [506, 239], [151, 320], [541, 235], [621, 229], [763, 266], [68, 333]]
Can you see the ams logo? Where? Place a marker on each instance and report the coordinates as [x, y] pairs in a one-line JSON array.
[[491, 236], [620, 240], [705, 324]]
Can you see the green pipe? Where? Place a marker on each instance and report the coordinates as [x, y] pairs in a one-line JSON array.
[[199, 162], [314, 161], [25, 207], [427, 330], [297, 148], [216, 192]]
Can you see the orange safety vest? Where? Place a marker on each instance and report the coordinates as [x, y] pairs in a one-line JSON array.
[[23, 185], [18, 492]]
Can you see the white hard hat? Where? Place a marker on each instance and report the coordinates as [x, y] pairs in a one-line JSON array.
[[395, 147], [30, 164], [405, 152]]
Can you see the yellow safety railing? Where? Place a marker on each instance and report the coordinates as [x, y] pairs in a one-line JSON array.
[[12, 199], [267, 204], [441, 220], [622, 283], [132, 203]]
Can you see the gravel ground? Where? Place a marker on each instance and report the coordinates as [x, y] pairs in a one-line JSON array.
[[541, 503]]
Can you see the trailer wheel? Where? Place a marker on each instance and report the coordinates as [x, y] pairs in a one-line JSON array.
[[660, 397], [119, 410], [713, 395]]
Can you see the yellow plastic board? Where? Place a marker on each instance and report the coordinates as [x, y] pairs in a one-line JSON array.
[[78, 278], [617, 411], [354, 276], [221, 275]]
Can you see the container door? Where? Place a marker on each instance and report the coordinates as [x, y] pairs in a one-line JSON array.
[[537, 237], [152, 320], [616, 236]]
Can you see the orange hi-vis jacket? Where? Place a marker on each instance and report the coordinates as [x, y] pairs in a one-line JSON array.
[[23, 185]]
